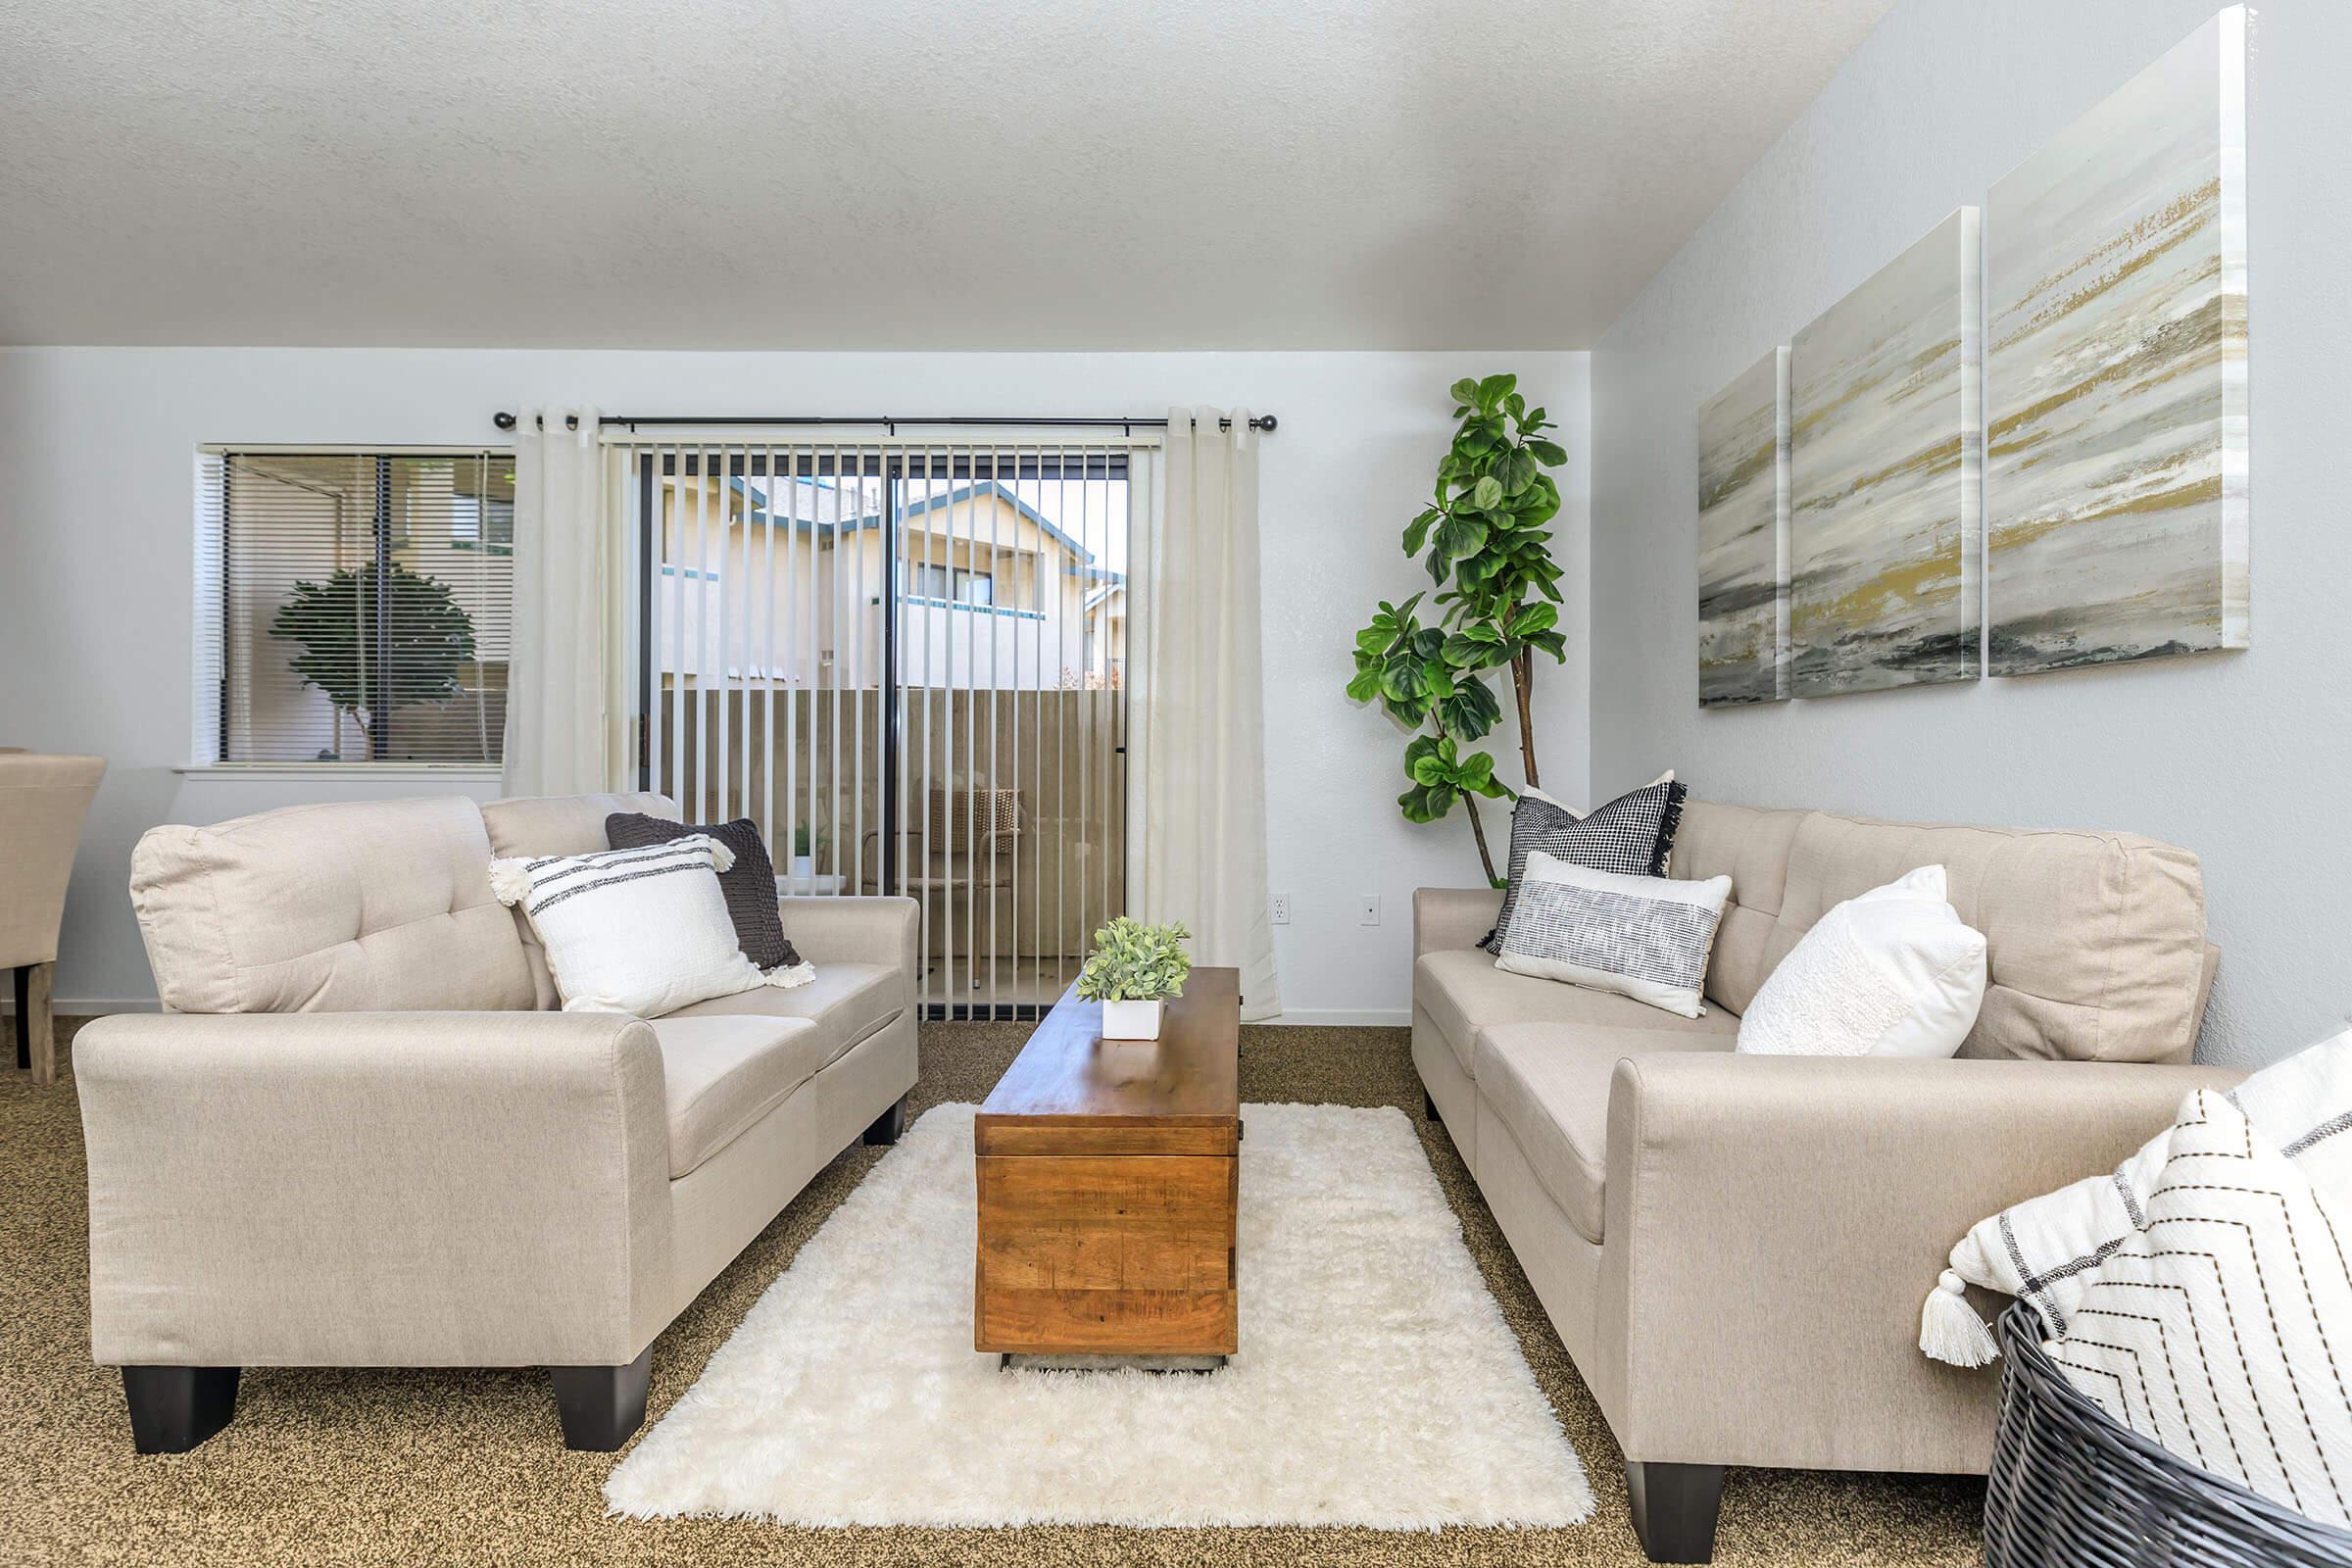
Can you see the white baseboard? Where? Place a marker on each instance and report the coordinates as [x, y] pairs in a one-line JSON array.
[[1346, 1017]]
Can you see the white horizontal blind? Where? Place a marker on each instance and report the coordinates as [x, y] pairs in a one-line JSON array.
[[354, 607], [906, 663]]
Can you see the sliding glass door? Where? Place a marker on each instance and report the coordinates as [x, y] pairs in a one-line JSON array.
[[907, 664]]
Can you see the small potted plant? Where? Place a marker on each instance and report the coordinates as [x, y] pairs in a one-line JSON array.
[[1134, 969]]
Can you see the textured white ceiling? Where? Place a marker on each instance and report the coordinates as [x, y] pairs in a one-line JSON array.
[[827, 174]]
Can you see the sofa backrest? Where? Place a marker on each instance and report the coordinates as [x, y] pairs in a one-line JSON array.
[[343, 907], [558, 824], [2094, 942]]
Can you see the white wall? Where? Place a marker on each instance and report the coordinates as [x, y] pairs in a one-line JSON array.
[[96, 493], [2241, 757]]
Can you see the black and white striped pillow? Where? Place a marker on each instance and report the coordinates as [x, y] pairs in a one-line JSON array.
[[1631, 835], [642, 930], [1643, 937]]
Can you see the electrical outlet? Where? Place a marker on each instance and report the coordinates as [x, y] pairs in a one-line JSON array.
[[1367, 909], [1278, 908]]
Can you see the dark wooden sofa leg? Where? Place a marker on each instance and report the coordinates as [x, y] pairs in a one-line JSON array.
[[174, 1409], [22, 975], [1429, 1110], [1674, 1508], [601, 1406], [890, 1124]]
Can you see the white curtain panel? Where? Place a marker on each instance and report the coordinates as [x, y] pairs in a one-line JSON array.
[[565, 727], [1199, 715]]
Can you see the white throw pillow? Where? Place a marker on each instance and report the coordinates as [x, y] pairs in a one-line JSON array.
[[642, 931], [1643, 937], [1892, 973], [2044, 1250], [2208, 1328]]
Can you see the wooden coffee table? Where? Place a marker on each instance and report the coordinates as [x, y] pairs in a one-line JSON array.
[[1108, 1171]]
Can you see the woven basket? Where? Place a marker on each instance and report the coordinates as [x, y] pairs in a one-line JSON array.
[[2071, 1486]]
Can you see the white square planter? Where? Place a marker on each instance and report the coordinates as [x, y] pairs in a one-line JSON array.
[[1131, 1021]]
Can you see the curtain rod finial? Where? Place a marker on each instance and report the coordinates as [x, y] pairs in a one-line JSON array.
[[503, 419]]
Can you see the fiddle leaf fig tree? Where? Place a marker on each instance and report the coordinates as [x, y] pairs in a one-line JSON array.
[[1485, 541]]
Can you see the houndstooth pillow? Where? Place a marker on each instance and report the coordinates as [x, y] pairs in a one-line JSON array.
[[1633, 836], [1643, 937]]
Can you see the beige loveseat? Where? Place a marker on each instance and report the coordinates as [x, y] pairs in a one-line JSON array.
[[1735, 1249], [361, 1136]]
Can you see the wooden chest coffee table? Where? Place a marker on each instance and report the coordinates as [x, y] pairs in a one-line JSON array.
[[1108, 1171]]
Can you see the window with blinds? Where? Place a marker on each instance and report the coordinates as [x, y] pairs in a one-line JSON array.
[[354, 607]]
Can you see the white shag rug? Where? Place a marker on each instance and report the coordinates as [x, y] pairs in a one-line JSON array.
[[1377, 1384]]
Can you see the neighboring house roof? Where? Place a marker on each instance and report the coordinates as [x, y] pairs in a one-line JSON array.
[[816, 491], [963, 493], [1110, 590]]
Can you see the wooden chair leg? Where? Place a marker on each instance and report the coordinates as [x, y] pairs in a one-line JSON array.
[[36, 1027], [1674, 1508]]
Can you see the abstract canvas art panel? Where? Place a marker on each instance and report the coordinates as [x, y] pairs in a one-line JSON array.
[[1743, 537], [2116, 270], [1887, 476]]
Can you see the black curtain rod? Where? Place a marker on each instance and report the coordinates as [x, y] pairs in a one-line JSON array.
[[572, 422]]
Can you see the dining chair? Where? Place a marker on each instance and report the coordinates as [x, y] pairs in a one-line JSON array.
[[43, 800]]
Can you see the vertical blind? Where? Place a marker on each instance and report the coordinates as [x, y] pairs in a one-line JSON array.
[[906, 663], [354, 607]]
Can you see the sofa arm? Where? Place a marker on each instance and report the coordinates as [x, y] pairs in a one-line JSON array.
[[1453, 918], [375, 1189], [855, 929], [1772, 1223]]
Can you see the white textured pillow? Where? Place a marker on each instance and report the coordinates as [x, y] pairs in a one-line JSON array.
[[1643, 937], [2207, 1330], [642, 931], [2044, 1250], [1890, 973]]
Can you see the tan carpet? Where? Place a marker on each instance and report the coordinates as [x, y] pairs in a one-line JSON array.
[[467, 1467]]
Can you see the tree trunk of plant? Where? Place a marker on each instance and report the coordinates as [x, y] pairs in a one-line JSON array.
[[1522, 681], [1478, 830]]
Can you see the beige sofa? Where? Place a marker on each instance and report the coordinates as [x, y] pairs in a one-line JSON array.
[[361, 1136], [1735, 1249]]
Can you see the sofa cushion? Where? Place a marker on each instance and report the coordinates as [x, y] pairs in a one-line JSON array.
[[844, 1003], [1463, 993], [721, 1074], [2094, 943], [558, 824], [1548, 1085], [349, 906]]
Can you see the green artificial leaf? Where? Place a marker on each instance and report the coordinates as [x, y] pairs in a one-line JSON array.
[[1429, 642], [1471, 711], [1465, 390], [1552, 643], [1459, 537], [1375, 638], [1365, 686], [1516, 406], [1532, 619], [1400, 680], [1551, 452], [1494, 389], [1416, 532], [1486, 494], [1476, 776], [1518, 471]]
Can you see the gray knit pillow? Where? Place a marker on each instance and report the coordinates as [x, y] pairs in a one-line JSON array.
[[750, 884], [1632, 836]]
